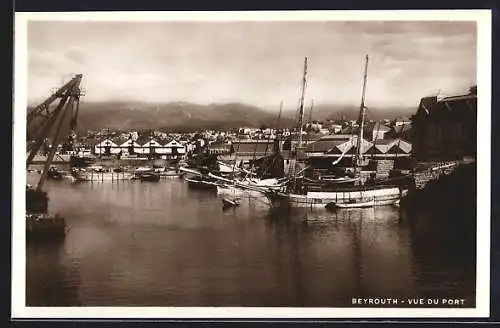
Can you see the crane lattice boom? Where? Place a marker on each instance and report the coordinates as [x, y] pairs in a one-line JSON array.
[[42, 121]]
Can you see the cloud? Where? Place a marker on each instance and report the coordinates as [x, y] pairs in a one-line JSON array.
[[252, 62], [76, 54]]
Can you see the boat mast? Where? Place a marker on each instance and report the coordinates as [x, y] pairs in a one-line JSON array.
[[278, 120], [362, 114], [276, 140], [311, 111], [301, 104]]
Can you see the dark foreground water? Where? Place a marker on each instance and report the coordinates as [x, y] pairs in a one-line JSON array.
[[161, 244]]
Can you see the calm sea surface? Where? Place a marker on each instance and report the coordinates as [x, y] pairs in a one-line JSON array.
[[161, 244]]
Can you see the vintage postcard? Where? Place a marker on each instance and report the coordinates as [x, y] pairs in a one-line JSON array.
[[300, 164]]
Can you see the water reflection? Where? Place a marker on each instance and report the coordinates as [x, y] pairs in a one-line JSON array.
[[52, 279], [444, 247], [161, 244], [351, 252]]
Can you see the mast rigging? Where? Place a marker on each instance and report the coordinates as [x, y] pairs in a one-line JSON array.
[[361, 120], [301, 103]]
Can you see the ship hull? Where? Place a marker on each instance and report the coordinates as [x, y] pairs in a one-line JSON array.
[[380, 196], [102, 176], [201, 184], [232, 191]]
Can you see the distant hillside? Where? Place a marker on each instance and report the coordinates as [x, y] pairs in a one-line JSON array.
[[325, 112], [178, 116], [184, 116]]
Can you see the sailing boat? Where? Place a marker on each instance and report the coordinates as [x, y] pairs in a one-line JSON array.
[[251, 185], [233, 201], [362, 194]]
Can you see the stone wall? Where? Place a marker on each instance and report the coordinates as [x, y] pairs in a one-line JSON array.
[[449, 192], [434, 172], [384, 167]]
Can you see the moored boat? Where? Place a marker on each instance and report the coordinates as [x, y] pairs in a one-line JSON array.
[[339, 180], [83, 175], [352, 204], [310, 193], [169, 174], [273, 183], [229, 203], [81, 160], [149, 177], [381, 195], [247, 188], [143, 169], [230, 190], [189, 173], [201, 184], [54, 174]]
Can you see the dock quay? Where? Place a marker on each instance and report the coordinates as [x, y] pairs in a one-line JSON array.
[[39, 223], [45, 226], [448, 188]]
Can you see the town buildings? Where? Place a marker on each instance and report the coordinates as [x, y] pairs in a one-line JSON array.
[[167, 149]]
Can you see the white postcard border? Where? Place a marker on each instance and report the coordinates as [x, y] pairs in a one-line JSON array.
[[483, 19]]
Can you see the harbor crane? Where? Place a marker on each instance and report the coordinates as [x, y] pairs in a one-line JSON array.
[[42, 122], [45, 121]]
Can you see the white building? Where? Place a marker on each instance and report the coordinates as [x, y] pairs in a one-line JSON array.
[[153, 147], [336, 128], [130, 147], [107, 147], [175, 147]]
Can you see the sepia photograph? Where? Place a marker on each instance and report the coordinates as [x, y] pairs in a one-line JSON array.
[[252, 164]]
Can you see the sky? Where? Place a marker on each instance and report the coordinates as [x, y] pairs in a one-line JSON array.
[[256, 63]]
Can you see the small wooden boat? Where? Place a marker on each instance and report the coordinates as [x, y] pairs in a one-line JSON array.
[[189, 173], [201, 184], [144, 169], [339, 180], [353, 204], [81, 160], [228, 203], [54, 174], [149, 177], [169, 174], [81, 175], [331, 206]]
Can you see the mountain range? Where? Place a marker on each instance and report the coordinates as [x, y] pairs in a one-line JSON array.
[[185, 116]]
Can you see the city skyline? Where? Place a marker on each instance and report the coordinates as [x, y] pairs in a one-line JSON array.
[[257, 63]]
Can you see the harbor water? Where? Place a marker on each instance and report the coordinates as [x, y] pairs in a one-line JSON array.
[[135, 243]]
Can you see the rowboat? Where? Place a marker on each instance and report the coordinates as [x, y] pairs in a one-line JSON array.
[[150, 177], [228, 203], [355, 204]]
